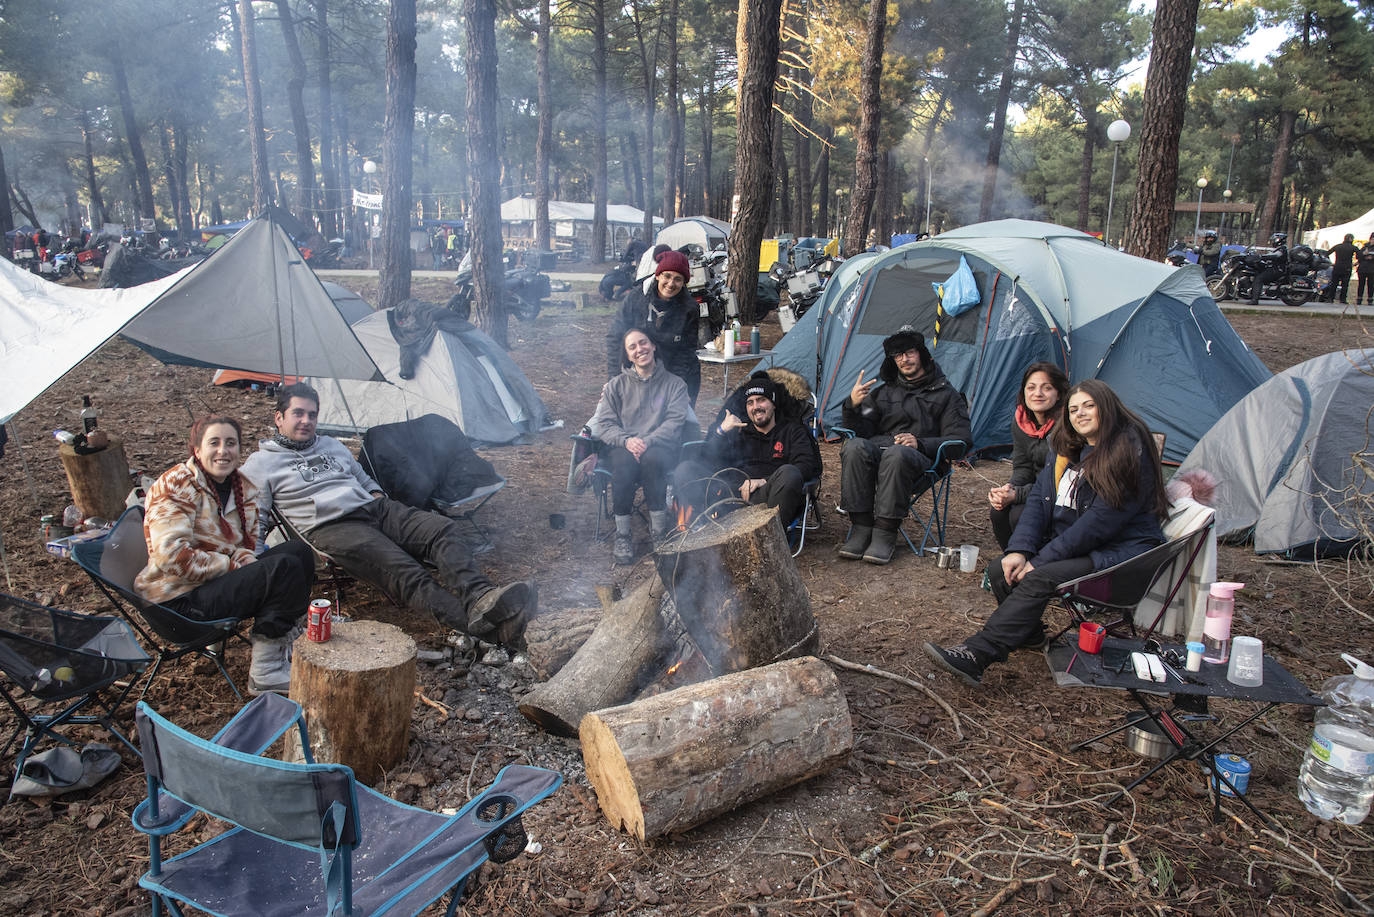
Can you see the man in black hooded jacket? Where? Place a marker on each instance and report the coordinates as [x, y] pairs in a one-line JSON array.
[[898, 431]]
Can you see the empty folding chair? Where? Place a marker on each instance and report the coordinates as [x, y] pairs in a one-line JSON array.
[[307, 839]]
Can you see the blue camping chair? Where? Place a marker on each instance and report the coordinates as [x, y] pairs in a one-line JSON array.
[[936, 483], [113, 562], [86, 663], [307, 839]]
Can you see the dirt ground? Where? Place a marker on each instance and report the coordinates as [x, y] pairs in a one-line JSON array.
[[930, 814]]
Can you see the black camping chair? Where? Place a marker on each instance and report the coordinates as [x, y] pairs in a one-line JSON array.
[[586, 471], [307, 839], [935, 481], [85, 663], [1116, 591], [113, 562]]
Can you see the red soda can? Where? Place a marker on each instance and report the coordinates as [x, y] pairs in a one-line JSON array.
[[319, 621]]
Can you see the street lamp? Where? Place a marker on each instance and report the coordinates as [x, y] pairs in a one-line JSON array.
[[1197, 226], [1118, 132], [927, 159], [1226, 217]]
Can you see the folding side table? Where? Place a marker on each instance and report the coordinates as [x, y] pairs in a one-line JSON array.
[[1189, 691]]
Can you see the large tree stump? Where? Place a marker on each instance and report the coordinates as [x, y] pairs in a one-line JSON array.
[[99, 481], [357, 691], [738, 591], [624, 653], [667, 763]]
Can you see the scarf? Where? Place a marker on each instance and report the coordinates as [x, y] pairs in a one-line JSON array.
[[287, 443], [1026, 421]]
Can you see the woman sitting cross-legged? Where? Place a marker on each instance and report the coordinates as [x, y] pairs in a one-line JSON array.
[[1038, 405], [1099, 501], [641, 417], [200, 522]]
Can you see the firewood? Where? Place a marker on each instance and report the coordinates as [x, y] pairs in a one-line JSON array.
[[623, 654], [357, 690], [553, 637], [99, 481], [738, 591], [667, 763]]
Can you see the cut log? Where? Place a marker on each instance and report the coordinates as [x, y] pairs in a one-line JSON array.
[[624, 653], [553, 637], [664, 764], [738, 591], [99, 481], [357, 691]]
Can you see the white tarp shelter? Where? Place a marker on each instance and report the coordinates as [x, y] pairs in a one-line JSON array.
[[1362, 229], [521, 210]]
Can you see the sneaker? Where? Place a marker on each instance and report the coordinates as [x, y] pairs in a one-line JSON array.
[[882, 546], [959, 661], [623, 551], [857, 543]]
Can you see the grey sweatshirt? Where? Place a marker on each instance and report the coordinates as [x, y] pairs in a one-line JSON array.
[[309, 487], [654, 409]]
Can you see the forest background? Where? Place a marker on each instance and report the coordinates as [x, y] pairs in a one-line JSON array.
[[129, 109]]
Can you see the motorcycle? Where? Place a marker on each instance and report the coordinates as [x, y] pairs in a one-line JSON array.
[[618, 281], [1239, 271], [326, 257], [524, 293], [804, 285], [65, 264], [706, 285]]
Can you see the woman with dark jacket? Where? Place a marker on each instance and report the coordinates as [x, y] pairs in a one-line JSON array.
[[669, 315], [1097, 503], [1038, 404]]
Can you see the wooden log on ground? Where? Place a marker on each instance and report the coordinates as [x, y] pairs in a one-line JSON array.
[[99, 481], [357, 691], [664, 764], [623, 654], [738, 591], [552, 638]]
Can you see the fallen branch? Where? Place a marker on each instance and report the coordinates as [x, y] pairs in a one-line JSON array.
[[901, 680], [996, 901], [443, 708], [1354, 899], [1131, 861]]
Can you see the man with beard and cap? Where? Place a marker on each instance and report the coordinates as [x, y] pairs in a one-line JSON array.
[[898, 431], [766, 459]]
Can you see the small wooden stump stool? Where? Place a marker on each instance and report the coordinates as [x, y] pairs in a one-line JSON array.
[[99, 481], [357, 691]]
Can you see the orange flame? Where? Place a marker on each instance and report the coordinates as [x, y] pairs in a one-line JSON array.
[[674, 667], [684, 518]]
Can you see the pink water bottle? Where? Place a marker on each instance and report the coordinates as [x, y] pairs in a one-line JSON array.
[[1216, 631]]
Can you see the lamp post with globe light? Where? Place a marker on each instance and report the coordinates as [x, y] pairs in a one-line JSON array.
[[1197, 226], [1226, 217], [1118, 132]]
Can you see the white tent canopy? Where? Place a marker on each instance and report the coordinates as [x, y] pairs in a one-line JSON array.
[[252, 305], [1362, 229], [521, 210]]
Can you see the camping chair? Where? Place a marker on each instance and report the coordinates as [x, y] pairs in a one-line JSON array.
[[587, 472], [327, 571], [465, 511], [113, 561], [307, 839], [1120, 591], [935, 482], [86, 662]]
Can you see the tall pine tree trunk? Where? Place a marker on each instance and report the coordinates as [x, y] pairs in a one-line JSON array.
[[822, 184], [398, 130], [330, 223], [801, 210], [543, 141], [6, 214], [1166, 95], [300, 124], [600, 182], [143, 181], [870, 115], [98, 217], [257, 137], [999, 114], [705, 97], [1278, 166], [484, 168], [674, 152], [758, 42]]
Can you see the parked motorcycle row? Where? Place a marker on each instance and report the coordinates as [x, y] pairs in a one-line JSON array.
[[59, 263], [527, 287], [1296, 284]]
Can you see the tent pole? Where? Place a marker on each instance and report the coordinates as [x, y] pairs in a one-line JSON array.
[[276, 293]]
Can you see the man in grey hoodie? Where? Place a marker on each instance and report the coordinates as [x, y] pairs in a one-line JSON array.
[[317, 485]]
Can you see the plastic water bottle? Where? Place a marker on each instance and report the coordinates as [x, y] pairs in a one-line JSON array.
[[1216, 630], [1337, 776]]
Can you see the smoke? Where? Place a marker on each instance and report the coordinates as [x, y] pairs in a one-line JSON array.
[[956, 168]]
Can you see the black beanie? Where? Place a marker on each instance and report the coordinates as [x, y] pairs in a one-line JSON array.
[[906, 339], [760, 384]]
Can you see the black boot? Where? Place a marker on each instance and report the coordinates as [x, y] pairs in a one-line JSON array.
[[884, 542], [857, 543]]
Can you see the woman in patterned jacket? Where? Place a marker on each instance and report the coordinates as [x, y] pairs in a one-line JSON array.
[[200, 522]]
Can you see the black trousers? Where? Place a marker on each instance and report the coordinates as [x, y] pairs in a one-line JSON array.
[[880, 479], [1021, 608], [698, 485], [1004, 523], [650, 472], [274, 591], [1365, 283]]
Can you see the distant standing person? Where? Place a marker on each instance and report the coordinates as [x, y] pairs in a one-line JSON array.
[[670, 317], [1342, 263], [1209, 255], [1364, 269], [1039, 404]]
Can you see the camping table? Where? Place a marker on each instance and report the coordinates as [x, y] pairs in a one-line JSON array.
[[1072, 668], [715, 356]]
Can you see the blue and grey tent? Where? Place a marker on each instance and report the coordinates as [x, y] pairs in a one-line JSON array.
[[1151, 331]]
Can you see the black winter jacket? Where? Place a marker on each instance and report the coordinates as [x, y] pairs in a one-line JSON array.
[[1080, 524], [670, 324], [1028, 456], [758, 455], [929, 408]]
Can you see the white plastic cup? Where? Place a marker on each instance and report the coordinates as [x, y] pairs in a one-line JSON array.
[[1247, 662], [968, 558]]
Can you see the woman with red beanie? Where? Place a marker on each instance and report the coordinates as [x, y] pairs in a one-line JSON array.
[[669, 315]]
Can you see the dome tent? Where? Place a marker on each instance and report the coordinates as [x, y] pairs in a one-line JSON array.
[[1152, 332]]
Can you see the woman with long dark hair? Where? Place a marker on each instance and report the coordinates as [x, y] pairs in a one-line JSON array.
[[1098, 502], [670, 317], [200, 523], [1039, 402]]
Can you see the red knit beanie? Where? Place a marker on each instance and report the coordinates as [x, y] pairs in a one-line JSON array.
[[675, 262]]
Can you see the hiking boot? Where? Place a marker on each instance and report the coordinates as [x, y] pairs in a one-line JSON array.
[[857, 543], [881, 547], [270, 668], [1036, 641], [959, 661], [499, 614], [623, 551]]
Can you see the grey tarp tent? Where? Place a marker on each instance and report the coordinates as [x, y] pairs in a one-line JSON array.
[[1292, 459], [1151, 331], [464, 376]]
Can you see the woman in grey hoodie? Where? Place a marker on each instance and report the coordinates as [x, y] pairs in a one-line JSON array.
[[640, 419]]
